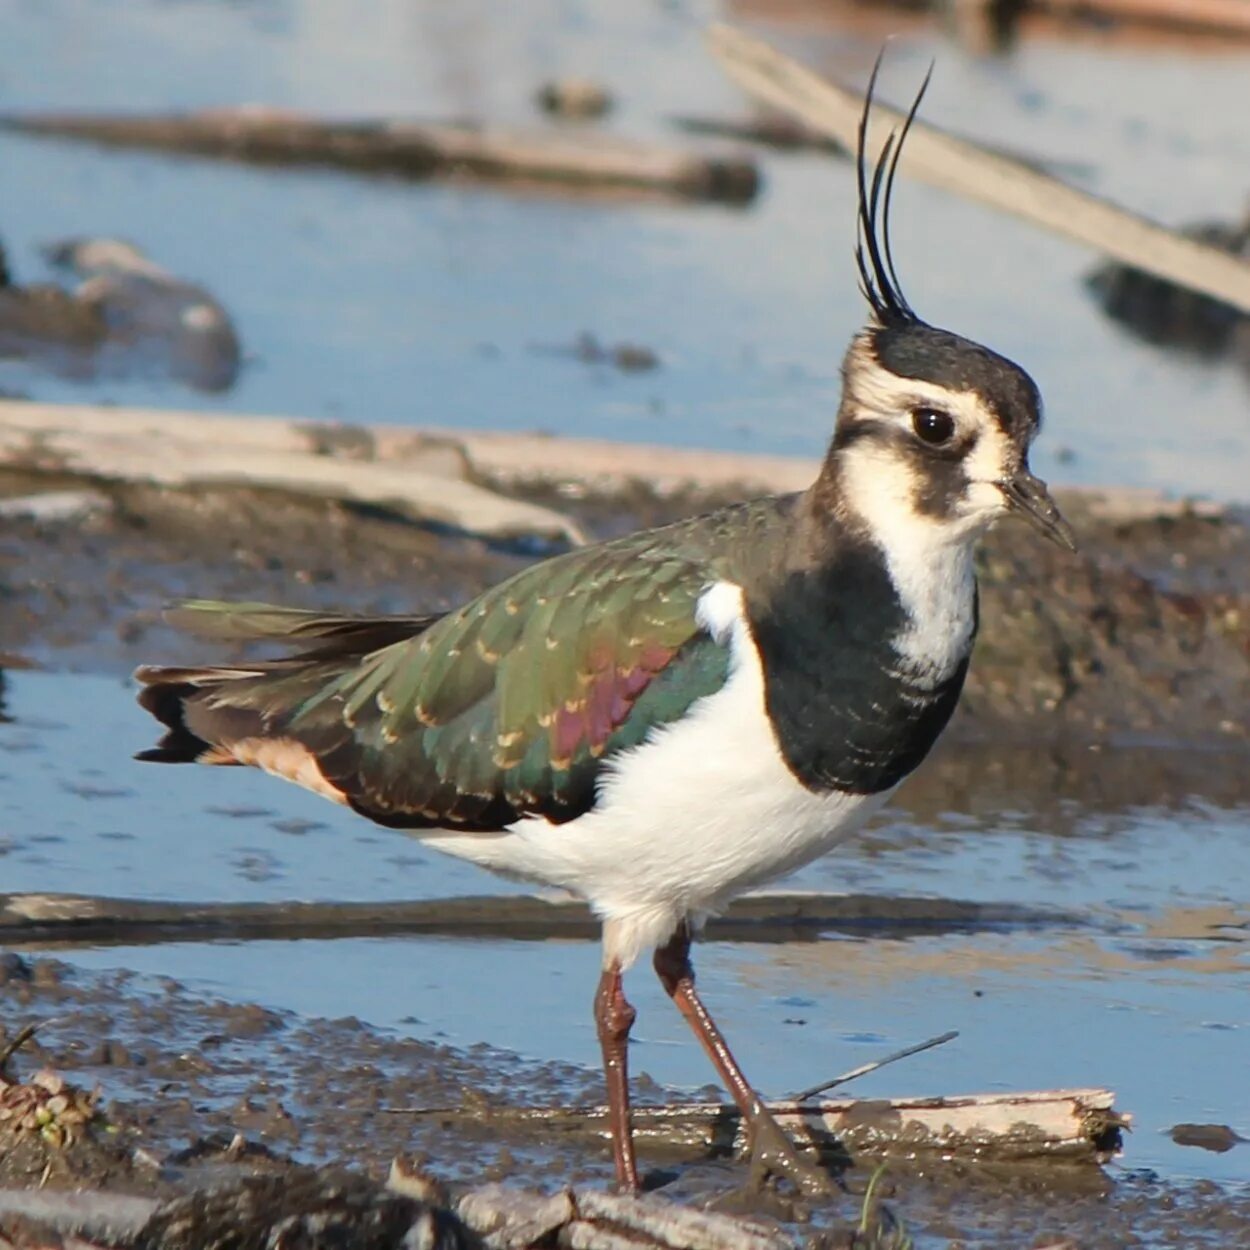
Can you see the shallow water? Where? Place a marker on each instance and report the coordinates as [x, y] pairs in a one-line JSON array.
[[1149, 998], [379, 300], [387, 301]]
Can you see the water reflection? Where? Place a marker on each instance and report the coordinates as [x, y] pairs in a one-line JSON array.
[[1155, 986], [370, 300]]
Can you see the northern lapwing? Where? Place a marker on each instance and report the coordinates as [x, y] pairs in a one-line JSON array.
[[660, 722]]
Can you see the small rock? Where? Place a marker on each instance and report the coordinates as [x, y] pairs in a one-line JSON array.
[[633, 358], [314, 1210], [1218, 1138], [412, 1179], [13, 969], [46, 973], [111, 1054], [574, 97], [507, 1218], [53, 506]]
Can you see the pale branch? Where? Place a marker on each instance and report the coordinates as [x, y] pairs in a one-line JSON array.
[[972, 171], [1027, 1127], [476, 456], [95, 445], [595, 161]]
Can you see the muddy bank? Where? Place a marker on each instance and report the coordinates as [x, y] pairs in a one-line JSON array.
[[1143, 638], [201, 1092]]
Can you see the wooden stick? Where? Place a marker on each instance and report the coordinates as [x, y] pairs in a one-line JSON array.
[[1226, 15], [876, 1065], [773, 130], [1059, 1125], [19, 1039], [777, 130], [40, 919], [415, 149], [969, 170], [508, 458], [84, 442], [503, 455]]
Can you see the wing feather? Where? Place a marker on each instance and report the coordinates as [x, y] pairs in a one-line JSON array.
[[512, 705]]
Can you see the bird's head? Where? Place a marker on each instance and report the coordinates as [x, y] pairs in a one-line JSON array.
[[933, 427]]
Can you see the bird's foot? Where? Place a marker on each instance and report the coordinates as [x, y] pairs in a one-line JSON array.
[[773, 1154]]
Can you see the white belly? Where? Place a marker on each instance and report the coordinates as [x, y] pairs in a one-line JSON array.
[[702, 810]]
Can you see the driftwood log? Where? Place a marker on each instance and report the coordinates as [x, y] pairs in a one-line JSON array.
[[1062, 1125], [30, 434], [978, 174], [589, 161], [985, 25], [41, 920], [771, 129], [1230, 16], [423, 479]]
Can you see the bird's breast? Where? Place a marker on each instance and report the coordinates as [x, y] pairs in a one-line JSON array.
[[862, 674]]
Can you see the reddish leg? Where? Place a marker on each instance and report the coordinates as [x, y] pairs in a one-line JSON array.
[[771, 1149], [613, 1018]]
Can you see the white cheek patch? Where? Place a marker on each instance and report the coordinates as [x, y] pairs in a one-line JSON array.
[[993, 457]]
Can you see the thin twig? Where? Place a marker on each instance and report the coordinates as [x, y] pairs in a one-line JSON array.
[[24, 1034], [865, 1068]]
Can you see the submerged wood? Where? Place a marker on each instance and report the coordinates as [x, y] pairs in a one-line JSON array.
[[970, 170], [1036, 1126], [186, 450], [772, 130], [415, 149], [1222, 15], [66, 919]]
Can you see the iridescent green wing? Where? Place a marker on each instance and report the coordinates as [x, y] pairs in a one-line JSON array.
[[512, 705]]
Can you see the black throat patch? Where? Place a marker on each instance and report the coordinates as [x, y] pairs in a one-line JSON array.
[[847, 714]]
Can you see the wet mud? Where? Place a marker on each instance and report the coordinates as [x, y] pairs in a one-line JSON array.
[[1093, 672], [1141, 638], [197, 1094]]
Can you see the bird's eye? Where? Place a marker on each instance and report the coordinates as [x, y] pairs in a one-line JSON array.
[[932, 425]]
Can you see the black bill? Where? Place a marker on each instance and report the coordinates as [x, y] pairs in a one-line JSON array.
[[1028, 496]]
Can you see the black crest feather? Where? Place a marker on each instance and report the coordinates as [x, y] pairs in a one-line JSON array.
[[877, 275]]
